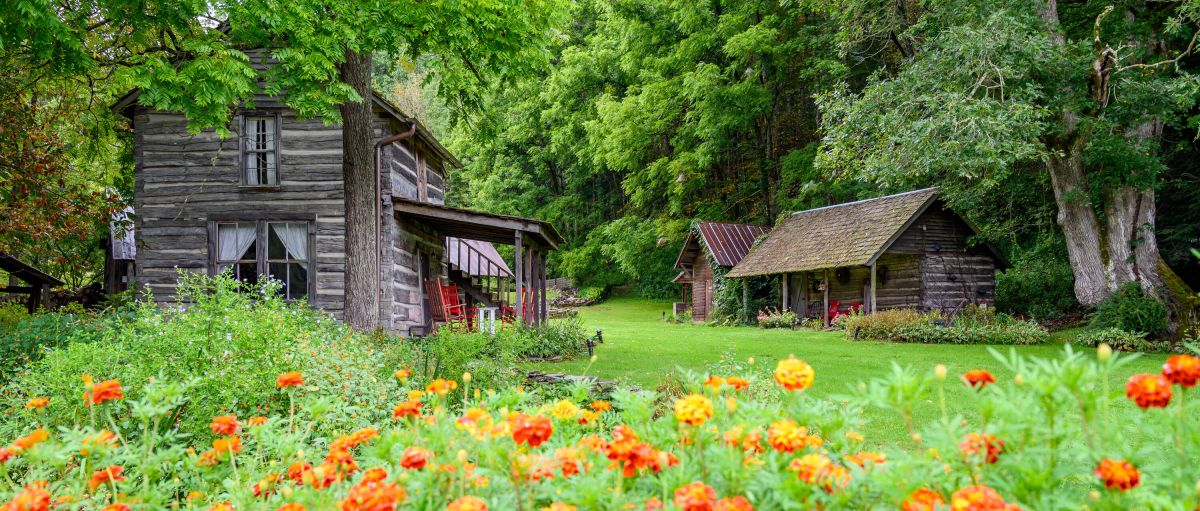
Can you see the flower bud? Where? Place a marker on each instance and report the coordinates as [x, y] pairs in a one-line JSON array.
[[466, 378], [1019, 380], [462, 456], [1104, 352], [750, 361], [939, 372], [1094, 495], [916, 438]]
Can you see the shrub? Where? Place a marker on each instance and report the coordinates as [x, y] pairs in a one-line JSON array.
[[1117, 339], [1040, 285], [883, 325], [1131, 310], [32, 336], [559, 337], [233, 343], [491, 359], [771, 317]]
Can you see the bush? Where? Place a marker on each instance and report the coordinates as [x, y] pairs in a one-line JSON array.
[[1117, 339], [1014, 333], [1131, 310], [883, 325], [233, 344], [1040, 285], [29, 337], [771, 317], [560, 337]]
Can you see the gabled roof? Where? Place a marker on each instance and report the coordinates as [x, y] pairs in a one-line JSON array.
[[851, 234], [727, 242]]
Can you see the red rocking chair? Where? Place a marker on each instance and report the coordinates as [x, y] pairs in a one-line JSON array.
[[446, 307]]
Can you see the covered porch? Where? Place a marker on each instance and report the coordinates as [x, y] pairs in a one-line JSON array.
[[25, 279], [474, 267]]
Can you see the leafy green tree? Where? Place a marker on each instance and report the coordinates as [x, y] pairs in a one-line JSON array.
[[988, 88], [195, 57]]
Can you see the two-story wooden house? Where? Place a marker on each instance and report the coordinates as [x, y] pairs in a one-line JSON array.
[[268, 201]]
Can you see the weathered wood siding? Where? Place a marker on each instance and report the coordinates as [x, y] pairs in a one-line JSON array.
[[901, 289], [951, 275], [702, 287]]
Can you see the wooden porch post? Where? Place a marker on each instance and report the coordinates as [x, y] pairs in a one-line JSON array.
[[542, 278], [519, 274], [535, 300], [784, 287], [825, 308], [746, 300], [873, 284], [531, 309], [803, 295]]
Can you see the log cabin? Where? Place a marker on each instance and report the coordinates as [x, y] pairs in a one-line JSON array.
[[907, 250], [267, 201], [710, 250]]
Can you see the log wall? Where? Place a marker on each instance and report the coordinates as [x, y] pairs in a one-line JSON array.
[[951, 274], [702, 287]]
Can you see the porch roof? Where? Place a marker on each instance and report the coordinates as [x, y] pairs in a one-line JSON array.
[[477, 225], [26, 272]]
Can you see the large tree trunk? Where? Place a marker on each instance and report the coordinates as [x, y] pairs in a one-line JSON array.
[[358, 169]]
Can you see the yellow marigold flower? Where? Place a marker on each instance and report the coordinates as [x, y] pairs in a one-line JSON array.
[[441, 387], [402, 374], [854, 436], [693, 409], [559, 506], [564, 410], [467, 503], [37, 402], [414, 395], [794, 374], [786, 436]]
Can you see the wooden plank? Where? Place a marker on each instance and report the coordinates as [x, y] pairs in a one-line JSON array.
[[874, 286], [825, 308], [519, 273]]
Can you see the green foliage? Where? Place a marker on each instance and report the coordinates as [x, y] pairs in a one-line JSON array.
[[883, 325], [627, 251], [1117, 339], [975, 325], [1038, 286], [1132, 310], [491, 360], [26, 338], [771, 317], [559, 337], [11, 313], [232, 343]]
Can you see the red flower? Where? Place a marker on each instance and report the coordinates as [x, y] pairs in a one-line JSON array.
[[297, 471], [289, 379], [979, 498], [696, 497], [1182, 370], [985, 445], [923, 499], [106, 475], [97, 393], [292, 506], [407, 409], [225, 425], [373, 495], [1148, 390], [33, 497], [531, 429], [738, 503], [415, 458], [1118, 474], [978, 378]]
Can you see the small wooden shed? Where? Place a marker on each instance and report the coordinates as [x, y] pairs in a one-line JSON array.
[[710, 250], [900, 251], [36, 283]]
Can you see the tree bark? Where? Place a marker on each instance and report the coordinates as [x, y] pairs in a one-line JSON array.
[[1077, 219], [362, 280]]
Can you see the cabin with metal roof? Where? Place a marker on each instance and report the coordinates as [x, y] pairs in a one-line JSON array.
[[710, 250], [907, 250]]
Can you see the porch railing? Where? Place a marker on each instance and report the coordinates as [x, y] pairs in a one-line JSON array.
[[493, 277]]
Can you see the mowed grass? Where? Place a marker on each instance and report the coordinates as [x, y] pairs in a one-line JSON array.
[[640, 348]]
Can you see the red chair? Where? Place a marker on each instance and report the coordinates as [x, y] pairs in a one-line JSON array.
[[856, 307], [445, 305], [834, 313]]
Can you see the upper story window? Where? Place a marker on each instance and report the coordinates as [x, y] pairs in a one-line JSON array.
[[279, 250], [260, 149]]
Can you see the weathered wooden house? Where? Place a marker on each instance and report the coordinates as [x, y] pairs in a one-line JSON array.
[[268, 201], [900, 251], [710, 250]]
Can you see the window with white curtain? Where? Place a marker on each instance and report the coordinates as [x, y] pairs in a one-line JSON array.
[[273, 249], [260, 150]]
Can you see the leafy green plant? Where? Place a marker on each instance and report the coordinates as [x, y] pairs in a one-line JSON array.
[[1038, 286], [1117, 339], [883, 325], [1132, 310], [32, 336], [771, 317]]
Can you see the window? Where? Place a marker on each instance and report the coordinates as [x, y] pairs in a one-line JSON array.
[[260, 149], [275, 249]]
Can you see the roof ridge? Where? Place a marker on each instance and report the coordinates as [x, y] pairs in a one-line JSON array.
[[831, 206], [731, 223]]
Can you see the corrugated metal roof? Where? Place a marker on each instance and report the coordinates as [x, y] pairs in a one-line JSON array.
[[729, 243], [475, 262], [848, 234]]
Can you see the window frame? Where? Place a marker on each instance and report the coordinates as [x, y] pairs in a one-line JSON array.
[[261, 238], [244, 152]]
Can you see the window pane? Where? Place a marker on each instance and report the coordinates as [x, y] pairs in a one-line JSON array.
[[275, 248], [235, 241], [297, 283], [247, 272], [287, 241], [259, 140]]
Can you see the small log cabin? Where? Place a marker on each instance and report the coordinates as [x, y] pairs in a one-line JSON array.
[[710, 250], [269, 201], [900, 251]]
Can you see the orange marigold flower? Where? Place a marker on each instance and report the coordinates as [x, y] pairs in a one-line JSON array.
[[415, 458], [737, 383], [373, 495], [978, 498], [116, 507], [375, 474], [983, 445], [225, 425], [266, 486], [863, 458], [1118, 474], [232, 444], [33, 497], [106, 475], [1148, 390], [257, 420], [559, 506], [97, 393], [810, 466], [36, 403], [103, 439], [738, 503], [27, 442], [530, 429], [794, 374], [653, 504], [222, 506], [785, 436], [978, 378], [693, 409], [289, 379], [714, 382], [833, 477], [695, 496], [407, 409], [402, 374], [601, 406], [298, 470], [467, 503], [1182, 370], [588, 417], [292, 506], [923, 499], [441, 387]]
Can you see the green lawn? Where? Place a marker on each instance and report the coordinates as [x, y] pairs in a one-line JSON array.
[[641, 348]]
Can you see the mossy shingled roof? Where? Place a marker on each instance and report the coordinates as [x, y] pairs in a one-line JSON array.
[[848, 234]]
